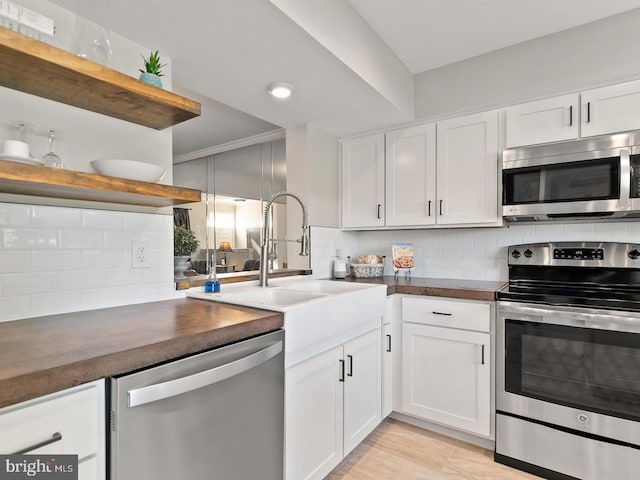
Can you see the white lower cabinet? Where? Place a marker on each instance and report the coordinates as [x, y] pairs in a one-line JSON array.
[[69, 422], [446, 372], [333, 401], [388, 347]]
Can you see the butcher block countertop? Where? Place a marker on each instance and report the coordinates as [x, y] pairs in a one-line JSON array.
[[46, 354], [437, 287]]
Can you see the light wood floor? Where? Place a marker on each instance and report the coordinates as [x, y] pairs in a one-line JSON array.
[[398, 451]]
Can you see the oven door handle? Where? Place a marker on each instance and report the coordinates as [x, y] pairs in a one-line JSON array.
[[601, 320]]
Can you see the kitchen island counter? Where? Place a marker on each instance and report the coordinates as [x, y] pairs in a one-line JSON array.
[[437, 287], [45, 354]]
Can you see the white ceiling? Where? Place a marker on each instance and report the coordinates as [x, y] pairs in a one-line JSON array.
[[427, 34], [347, 80]]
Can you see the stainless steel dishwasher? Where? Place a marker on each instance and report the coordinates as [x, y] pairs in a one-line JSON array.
[[217, 415]]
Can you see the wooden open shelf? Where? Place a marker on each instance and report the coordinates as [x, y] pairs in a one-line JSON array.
[[34, 67], [23, 179]]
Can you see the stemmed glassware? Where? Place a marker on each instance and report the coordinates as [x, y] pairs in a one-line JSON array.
[[51, 159]]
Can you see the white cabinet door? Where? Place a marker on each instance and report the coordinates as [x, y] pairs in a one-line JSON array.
[[467, 180], [447, 376], [611, 109], [314, 416], [550, 120], [387, 369], [362, 388], [411, 176], [362, 170]]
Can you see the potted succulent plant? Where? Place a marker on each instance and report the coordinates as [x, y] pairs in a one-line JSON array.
[[184, 244], [153, 70]]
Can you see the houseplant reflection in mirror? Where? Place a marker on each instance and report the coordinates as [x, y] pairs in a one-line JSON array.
[[184, 244], [153, 70]]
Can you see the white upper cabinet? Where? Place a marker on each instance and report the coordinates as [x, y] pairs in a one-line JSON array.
[[411, 176], [467, 170], [599, 111], [428, 175], [363, 182], [611, 109], [550, 120]]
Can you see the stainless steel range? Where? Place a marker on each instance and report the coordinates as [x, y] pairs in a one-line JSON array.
[[568, 361]]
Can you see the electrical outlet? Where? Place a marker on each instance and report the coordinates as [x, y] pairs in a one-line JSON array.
[[139, 254]]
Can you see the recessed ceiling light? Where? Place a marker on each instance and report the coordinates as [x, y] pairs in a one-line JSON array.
[[280, 89]]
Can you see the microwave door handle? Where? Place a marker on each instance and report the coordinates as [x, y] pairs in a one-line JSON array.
[[171, 388], [625, 177]]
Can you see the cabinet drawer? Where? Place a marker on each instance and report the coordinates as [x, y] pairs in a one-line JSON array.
[[88, 470], [447, 313], [73, 415]]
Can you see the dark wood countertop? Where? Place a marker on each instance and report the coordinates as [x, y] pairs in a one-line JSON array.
[[46, 354], [437, 287]]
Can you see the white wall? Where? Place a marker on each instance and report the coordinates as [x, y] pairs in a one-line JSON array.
[[596, 54], [56, 259], [465, 253]]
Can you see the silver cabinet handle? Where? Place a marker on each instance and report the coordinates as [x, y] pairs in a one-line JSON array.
[[160, 391], [482, 353], [56, 437], [341, 377], [429, 208], [442, 313], [379, 205], [388, 343], [588, 112], [350, 374], [440, 207]]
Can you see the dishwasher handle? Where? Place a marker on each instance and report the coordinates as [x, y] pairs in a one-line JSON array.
[[160, 391]]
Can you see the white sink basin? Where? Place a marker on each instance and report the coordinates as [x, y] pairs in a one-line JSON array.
[[271, 296], [318, 314], [321, 286]]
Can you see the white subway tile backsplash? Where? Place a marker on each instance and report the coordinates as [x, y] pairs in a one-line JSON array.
[[55, 260], [14, 215], [15, 261], [58, 302], [14, 307], [54, 217], [29, 283], [141, 222], [59, 259], [473, 253], [103, 220], [103, 258], [29, 238]]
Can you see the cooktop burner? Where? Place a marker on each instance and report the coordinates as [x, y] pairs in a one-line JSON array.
[[584, 274]]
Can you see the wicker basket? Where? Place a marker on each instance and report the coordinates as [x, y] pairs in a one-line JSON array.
[[367, 270]]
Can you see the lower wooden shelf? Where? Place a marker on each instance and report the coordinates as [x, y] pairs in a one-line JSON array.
[[34, 180]]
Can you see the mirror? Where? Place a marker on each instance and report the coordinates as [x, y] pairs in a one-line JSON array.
[[229, 219]]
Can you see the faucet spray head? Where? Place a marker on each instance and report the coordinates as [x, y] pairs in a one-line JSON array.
[[304, 242]]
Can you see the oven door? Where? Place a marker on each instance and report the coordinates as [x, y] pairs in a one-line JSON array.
[[573, 367]]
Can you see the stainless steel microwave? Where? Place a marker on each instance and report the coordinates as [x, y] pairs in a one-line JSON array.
[[590, 178]]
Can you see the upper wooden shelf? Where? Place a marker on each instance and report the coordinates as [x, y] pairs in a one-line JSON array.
[[34, 67], [40, 181]]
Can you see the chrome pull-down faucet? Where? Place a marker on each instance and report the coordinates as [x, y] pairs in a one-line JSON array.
[[264, 248]]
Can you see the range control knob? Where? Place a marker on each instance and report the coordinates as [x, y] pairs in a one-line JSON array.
[[634, 254], [528, 253], [516, 254]]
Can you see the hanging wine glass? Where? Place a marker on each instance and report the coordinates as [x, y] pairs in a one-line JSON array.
[[51, 159]]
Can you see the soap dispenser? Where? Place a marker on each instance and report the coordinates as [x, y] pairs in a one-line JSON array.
[[212, 284]]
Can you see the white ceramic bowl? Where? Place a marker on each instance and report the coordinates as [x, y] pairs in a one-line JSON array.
[[129, 169]]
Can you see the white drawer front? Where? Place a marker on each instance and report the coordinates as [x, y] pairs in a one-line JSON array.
[[74, 416], [447, 313], [88, 470]]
